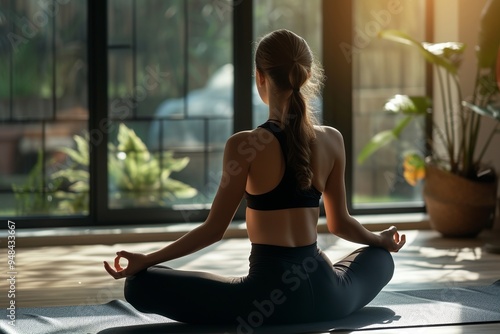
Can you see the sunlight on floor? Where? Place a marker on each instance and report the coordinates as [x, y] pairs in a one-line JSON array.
[[74, 274]]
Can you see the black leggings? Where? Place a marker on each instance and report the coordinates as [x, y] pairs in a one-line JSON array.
[[284, 285]]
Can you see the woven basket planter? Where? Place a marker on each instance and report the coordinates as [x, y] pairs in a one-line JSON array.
[[458, 207]]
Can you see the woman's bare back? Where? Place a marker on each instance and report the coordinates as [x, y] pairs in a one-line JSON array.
[[286, 227]]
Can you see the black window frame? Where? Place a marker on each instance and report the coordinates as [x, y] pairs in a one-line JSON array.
[[337, 111]]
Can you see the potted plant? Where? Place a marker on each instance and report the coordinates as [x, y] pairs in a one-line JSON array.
[[459, 189], [137, 177]]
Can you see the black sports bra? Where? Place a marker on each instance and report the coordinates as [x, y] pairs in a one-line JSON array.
[[286, 194]]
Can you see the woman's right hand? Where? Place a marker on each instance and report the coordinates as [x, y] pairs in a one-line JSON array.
[[391, 240], [136, 263]]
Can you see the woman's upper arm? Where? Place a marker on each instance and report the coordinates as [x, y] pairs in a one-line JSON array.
[[232, 185], [334, 195]]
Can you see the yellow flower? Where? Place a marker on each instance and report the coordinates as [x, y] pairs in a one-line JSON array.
[[414, 168]]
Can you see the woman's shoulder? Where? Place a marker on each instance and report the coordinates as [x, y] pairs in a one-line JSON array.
[[329, 134], [245, 135], [255, 137]]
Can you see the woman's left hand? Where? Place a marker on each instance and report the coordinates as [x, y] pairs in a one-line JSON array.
[[392, 240], [136, 263]]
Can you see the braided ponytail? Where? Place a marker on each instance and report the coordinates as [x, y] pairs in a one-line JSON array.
[[299, 129], [288, 61]]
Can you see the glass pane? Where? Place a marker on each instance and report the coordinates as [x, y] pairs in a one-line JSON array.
[[42, 96], [140, 176], [67, 166], [120, 82], [382, 69], [302, 17], [160, 57], [120, 22], [32, 61], [71, 62], [178, 89], [40, 175], [5, 57], [22, 180]]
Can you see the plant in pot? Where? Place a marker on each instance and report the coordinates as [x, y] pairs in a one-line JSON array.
[[137, 177], [459, 188]]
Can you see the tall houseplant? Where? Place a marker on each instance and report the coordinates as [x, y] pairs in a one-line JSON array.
[[456, 153]]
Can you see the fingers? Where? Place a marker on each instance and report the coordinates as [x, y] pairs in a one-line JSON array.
[[124, 254], [117, 263], [398, 239], [396, 236], [121, 254], [403, 240], [400, 242], [115, 274], [118, 271]]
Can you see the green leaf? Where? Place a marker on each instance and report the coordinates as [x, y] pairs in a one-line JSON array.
[[488, 111], [430, 52], [75, 156], [415, 159], [178, 164], [79, 187], [128, 141], [178, 188], [82, 147], [383, 138], [401, 126], [408, 104], [72, 175], [451, 51], [489, 35], [377, 142]]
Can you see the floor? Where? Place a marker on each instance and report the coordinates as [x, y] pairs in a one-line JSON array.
[[73, 275]]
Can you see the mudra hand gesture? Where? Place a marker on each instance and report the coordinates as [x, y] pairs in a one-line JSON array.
[[135, 263]]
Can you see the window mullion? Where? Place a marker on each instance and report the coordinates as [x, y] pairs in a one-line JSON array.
[[337, 93], [243, 64], [98, 107]]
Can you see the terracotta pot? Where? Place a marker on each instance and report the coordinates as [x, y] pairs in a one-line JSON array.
[[458, 207]]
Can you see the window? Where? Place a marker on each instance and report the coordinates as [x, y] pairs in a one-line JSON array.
[[43, 105], [363, 72], [380, 70], [117, 111], [170, 94], [302, 17]]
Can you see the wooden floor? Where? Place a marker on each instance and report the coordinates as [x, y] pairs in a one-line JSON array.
[[73, 275]]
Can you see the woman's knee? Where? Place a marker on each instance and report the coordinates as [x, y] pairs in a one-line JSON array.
[[377, 260], [135, 292], [385, 262]]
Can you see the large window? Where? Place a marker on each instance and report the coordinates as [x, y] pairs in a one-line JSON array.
[[170, 94], [117, 111], [380, 70], [302, 17], [363, 72], [43, 105]]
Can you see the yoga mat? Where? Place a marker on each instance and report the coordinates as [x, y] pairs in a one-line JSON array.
[[390, 309]]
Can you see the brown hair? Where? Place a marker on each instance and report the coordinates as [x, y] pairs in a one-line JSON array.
[[289, 62]]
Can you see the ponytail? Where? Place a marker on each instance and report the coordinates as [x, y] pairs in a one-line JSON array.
[[299, 129], [289, 62]]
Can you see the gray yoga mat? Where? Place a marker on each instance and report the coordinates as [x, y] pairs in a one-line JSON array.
[[390, 309]]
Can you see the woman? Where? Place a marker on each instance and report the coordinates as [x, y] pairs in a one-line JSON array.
[[282, 168]]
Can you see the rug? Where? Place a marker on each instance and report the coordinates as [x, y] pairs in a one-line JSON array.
[[390, 309]]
